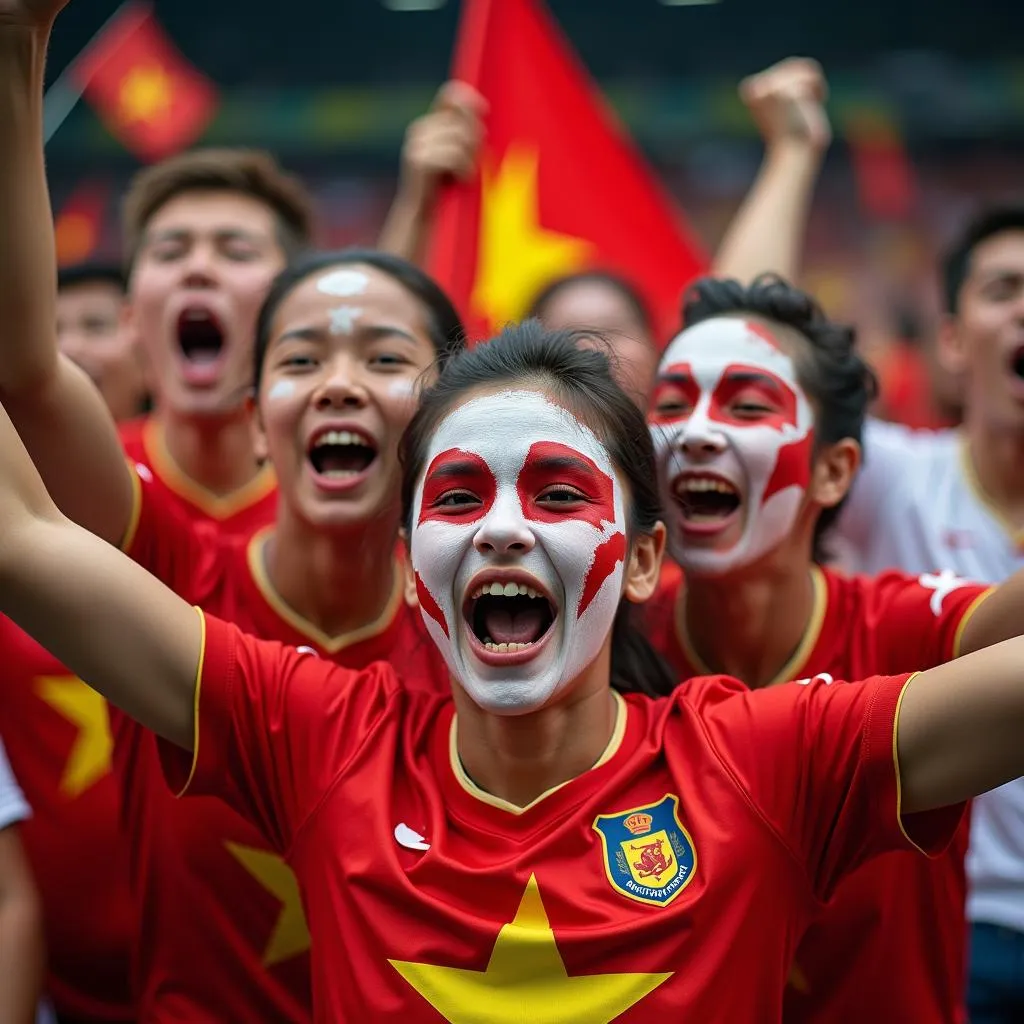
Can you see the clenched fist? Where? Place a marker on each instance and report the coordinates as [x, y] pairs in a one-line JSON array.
[[787, 102]]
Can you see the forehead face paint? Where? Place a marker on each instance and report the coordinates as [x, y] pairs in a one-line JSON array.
[[516, 489], [729, 413], [343, 319], [343, 283]]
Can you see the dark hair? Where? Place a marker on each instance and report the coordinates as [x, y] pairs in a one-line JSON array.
[[529, 355], [248, 172], [956, 266], [626, 291], [91, 273], [443, 324], [839, 382]]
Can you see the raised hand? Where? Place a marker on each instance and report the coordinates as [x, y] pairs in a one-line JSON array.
[[787, 102]]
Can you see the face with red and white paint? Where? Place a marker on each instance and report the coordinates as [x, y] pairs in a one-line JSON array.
[[518, 546], [733, 434]]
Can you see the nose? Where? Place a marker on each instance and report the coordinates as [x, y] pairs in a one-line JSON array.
[[199, 271], [341, 388], [700, 440], [504, 530]]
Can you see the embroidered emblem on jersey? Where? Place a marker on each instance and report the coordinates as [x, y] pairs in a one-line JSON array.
[[942, 585], [648, 855]]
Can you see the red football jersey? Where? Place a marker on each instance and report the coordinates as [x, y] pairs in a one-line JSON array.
[[223, 933], [890, 948], [669, 882], [240, 513]]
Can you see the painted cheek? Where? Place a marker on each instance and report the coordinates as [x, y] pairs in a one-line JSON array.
[[606, 558], [473, 475], [792, 467], [586, 477], [429, 605]]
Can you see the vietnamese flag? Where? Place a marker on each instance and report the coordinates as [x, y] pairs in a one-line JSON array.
[[146, 93], [561, 187], [886, 184], [79, 225]]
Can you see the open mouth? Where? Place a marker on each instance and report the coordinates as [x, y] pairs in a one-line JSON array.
[[1017, 363], [706, 500], [509, 617], [341, 454], [200, 336]]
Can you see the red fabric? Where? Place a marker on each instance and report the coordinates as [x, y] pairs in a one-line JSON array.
[[592, 186], [777, 795], [890, 948], [886, 184], [146, 93], [78, 226], [223, 937]]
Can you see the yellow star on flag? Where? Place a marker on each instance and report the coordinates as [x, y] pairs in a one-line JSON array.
[[145, 94], [517, 256], [89, 758], [291, 934], [526, 980], [797, 979]]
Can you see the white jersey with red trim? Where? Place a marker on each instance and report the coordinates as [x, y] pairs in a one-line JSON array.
[[917, 506]]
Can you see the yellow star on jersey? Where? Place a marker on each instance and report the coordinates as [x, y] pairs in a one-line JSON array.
[[89, 758], [145, 94], [526, 980], [517, 256], [291, 935]]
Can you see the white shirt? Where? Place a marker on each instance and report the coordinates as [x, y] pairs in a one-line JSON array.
[[916, 506], [13, 806]]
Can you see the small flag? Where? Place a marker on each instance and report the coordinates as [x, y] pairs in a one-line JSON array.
[[78, 227], [561, 187], [886, 184], [146, 93]]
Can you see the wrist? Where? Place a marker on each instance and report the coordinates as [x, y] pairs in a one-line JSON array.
[[23, 50]]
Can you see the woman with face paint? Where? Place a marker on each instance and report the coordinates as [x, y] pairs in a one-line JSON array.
[[535, 845], [756, 419], [343, 341]]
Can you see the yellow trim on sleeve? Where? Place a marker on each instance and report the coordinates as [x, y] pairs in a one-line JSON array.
[[966, 617], [133, 518], [195, 701], [896, 763]]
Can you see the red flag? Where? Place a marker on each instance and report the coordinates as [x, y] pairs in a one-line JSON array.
[[144, 90], [886, 185], [79, 225], [561, 187]]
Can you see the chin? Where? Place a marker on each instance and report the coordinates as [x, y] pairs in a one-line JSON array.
[[507, 699]]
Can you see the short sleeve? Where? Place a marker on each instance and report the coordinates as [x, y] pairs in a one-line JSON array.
[[887, 448], [182, 554], [13, 806], [274, 727], [917, 621], [818, 762]]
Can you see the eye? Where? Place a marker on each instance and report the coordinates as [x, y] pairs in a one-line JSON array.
[[298, 361], [459, 500], [561, 494], [389, 360], [670, 407], [245, 255], [166, 253]]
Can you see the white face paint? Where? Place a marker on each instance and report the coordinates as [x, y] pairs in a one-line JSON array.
[[728, 414], [343, 319], [343, 283], [402, 388], [281, 389], [517, 490]]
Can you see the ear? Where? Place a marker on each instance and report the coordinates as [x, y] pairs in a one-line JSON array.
[[411, 597], [950, 349], [644, 567], [256, 429], [834, 470]]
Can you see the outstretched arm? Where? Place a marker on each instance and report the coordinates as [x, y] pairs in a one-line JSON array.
[[961, 728], [107, 619], [766, 235], [58, 411], [441, 145]]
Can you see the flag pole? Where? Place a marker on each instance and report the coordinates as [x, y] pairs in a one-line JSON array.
[[66, 90]]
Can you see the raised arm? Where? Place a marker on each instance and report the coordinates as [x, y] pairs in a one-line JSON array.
[[442, 145], [107, 619], [58, 411], [767, 233]]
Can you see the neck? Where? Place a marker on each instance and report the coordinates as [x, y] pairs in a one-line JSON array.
[[749, 624], [338, 581], [214, 452], [519, 757], [997, 457]]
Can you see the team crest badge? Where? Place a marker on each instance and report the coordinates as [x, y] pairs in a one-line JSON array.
[[648, 855]]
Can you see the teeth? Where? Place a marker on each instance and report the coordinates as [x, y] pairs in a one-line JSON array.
[[496, 589], [342, 437], [504, 648], [701, 484]]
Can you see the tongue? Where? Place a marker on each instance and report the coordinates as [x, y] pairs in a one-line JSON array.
[[513, 627], [342, 460]]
